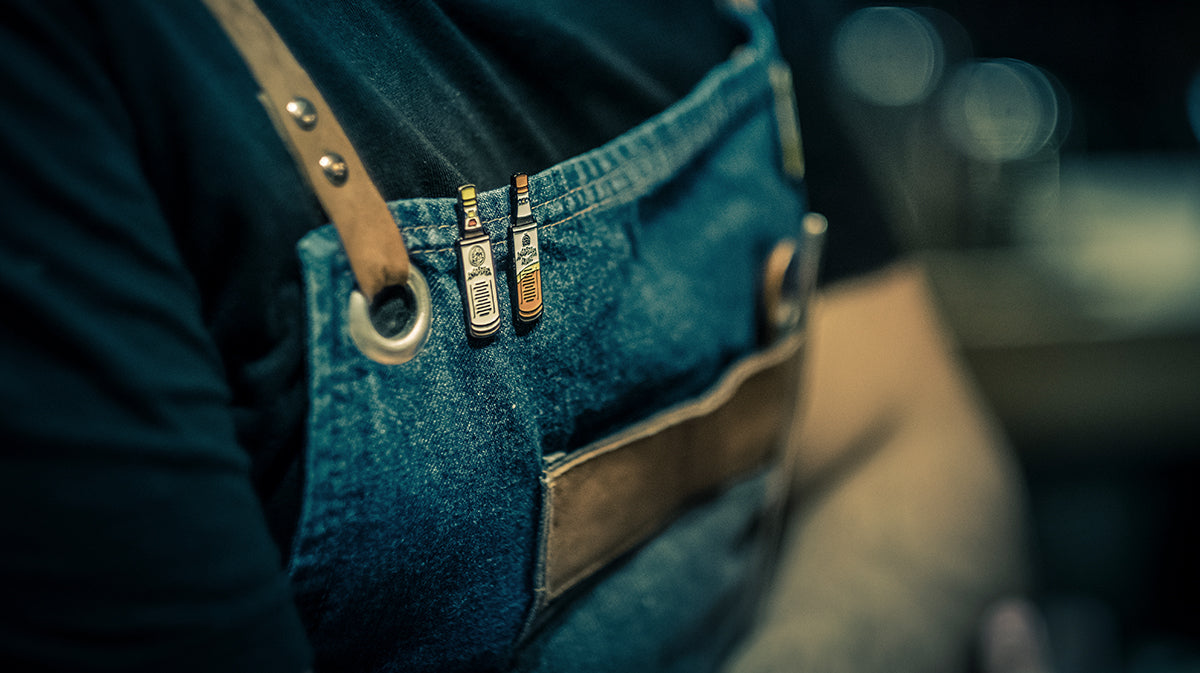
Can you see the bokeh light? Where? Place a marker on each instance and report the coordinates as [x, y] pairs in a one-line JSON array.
[[1193, 104], [889, 56], [1000, 110]]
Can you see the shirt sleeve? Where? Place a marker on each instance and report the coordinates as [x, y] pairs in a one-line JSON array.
[[132, 537]]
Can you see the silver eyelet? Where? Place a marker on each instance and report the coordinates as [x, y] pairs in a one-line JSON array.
[[398, 349], [781, 301], [790, 278]]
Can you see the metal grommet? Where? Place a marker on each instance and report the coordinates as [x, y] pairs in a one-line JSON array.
[[781, 301], [407, 309], [303, 112], [336, 170], [790, 278]]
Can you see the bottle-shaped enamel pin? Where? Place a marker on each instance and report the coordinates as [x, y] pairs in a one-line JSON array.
[[477, 273], [526, 280]]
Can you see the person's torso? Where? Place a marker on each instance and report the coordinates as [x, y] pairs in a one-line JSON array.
[[420, 490]]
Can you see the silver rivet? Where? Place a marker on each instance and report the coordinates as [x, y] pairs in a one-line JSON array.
[[335, 168], [303, 112]]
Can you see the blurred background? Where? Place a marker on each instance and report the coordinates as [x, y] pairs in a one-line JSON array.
[[1041, 157]]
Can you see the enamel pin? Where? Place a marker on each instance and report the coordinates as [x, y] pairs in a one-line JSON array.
[[526, 281], [477, 273]]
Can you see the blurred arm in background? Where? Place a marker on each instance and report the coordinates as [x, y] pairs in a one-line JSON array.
[[909, 515]]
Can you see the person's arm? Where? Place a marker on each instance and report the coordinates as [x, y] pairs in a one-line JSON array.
[[910, 509], [132, 538]]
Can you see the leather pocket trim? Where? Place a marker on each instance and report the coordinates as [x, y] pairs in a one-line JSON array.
[[604, 499]]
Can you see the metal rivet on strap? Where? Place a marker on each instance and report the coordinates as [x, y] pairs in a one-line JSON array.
[[335, 168], [303, 112]]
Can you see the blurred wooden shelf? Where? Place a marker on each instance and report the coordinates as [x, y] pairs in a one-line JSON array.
[[1068, 377]]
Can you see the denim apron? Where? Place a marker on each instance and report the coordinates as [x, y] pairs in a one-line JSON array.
[[422, 543]]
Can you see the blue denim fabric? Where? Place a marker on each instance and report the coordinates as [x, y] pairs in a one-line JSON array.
[[680, 603], [418, 541]]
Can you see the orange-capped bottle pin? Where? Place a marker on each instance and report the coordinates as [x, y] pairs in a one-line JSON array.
[[477, 273], [526, 283]]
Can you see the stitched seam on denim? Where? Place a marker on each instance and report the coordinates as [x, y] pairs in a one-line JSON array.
[[728, 111], [549, 225], [423, 227], [542, 205], [616, 178]]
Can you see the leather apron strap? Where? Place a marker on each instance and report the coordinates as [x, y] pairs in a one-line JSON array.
[[320, 147]]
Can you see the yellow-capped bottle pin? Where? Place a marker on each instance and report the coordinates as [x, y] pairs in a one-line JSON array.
[[526, 280], [477, 276]]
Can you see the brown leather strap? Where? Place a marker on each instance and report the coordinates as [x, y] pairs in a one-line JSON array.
[[369, 234], [607, 498]]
